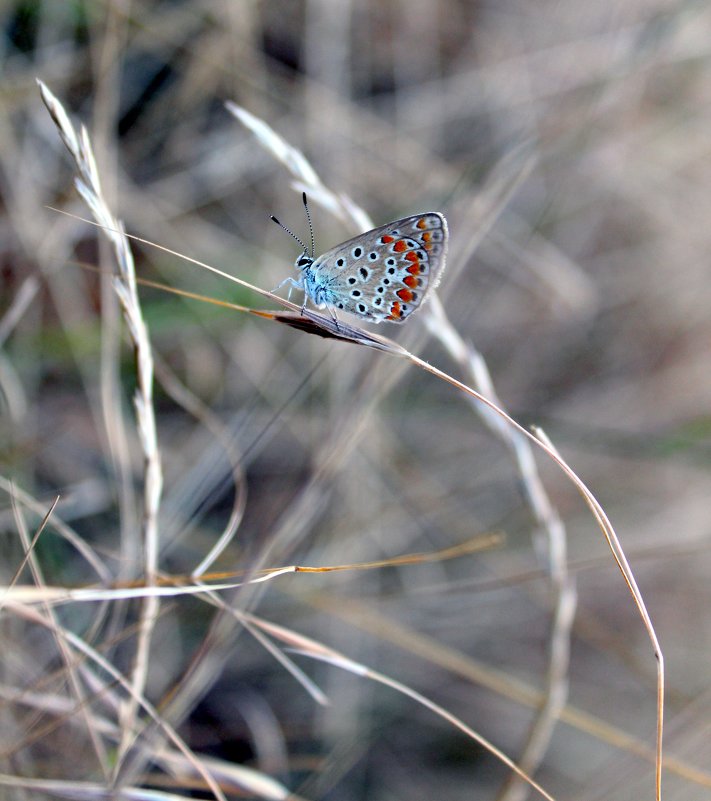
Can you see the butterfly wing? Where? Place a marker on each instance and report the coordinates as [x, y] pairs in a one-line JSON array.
[[385, 273]]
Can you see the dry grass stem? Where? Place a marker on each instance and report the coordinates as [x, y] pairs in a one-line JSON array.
[[124, 283]]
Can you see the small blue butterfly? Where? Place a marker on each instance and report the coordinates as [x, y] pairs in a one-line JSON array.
[[383, 274]]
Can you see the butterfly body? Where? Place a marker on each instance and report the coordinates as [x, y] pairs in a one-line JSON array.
[[382, 274]]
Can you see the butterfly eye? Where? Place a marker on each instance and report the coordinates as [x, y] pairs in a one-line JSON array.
[[303, 261]]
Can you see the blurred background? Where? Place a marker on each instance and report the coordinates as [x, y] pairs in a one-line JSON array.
[[569, 145]]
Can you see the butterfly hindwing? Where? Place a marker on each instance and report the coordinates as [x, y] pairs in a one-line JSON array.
[[385, 273]]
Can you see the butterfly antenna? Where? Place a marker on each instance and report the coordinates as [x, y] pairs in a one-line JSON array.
[[291, 233], [311, 228]]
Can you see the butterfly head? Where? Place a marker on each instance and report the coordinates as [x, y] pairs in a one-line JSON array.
[[303, 262]]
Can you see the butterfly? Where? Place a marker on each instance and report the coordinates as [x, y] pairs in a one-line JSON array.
[[383, 274]]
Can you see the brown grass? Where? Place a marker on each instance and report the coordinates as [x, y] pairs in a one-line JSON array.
[[156, 623]]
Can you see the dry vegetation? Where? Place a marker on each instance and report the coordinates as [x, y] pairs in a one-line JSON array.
[[152, 645]]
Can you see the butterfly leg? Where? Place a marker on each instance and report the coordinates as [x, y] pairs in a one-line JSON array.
[[293, 284], [334, 317]]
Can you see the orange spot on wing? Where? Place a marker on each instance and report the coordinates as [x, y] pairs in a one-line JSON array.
[[404, 295], [426, 236], [396, 311], [410, 280], [414, 268], [400, 245], [386, 239], [411, 255], [422, 223]]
